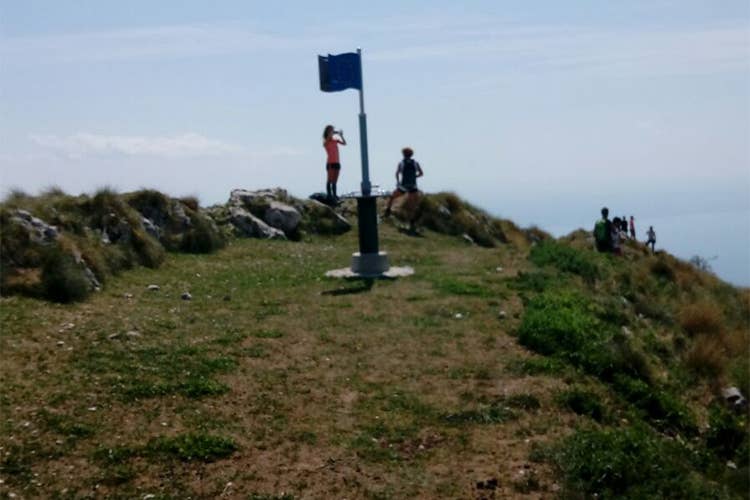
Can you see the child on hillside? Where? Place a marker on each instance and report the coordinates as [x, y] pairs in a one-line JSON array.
[[407, 172], [331, 140]]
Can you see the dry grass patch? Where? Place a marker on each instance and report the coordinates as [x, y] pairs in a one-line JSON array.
[[701, 317], [707, 356]]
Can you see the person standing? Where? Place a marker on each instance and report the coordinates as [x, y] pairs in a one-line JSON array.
[[651, 234], [603, 232], [632, 228], [616, 236], [331, 140], [407, 172]]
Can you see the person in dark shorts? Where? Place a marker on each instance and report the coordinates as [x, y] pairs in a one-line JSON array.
[[331, 140], [407, 172]]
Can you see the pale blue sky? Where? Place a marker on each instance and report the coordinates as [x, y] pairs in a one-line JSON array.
[[539, 111]]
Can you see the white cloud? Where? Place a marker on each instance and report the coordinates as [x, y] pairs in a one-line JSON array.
[[172, 41], [617, 53], [178, 146]]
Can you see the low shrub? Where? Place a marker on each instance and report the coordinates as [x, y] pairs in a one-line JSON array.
[[630, 463], [565, 258], [202, 237], [701, 317], [566, 326], [727, 435], [707, 356], [662, 409], [582, 402], [446, 213], [62, 278], [661, 269]]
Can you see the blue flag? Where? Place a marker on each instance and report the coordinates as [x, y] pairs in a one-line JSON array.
[[340, 72]]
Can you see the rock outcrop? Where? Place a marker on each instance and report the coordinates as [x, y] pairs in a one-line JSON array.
[[273, 213]]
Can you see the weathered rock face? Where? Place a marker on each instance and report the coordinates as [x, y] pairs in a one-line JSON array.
[[263, 213], [38, 230], [319, 218], [248, 225], [278, 210], [282, 216]]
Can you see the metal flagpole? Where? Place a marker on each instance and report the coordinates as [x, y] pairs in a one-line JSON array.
[[366, 187], [369, 262]]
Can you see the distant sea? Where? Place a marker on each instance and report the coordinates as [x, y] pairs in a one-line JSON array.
[[722, 238]]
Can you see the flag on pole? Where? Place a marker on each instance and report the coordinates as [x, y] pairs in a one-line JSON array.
[[340, 72]]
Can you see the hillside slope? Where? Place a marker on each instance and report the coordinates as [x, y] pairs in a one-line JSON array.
[[529, 368]]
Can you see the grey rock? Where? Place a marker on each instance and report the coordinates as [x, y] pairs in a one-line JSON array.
[[468, 239], [318, 217], [245, 198], [187, 296], [178, 214], [502, 315], [251, 226], [734, 398], [151, 228], [133, 334], [282, 216], [153, 288], [38, 230]]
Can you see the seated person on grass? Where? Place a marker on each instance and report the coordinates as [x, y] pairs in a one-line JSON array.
[[406, 178]]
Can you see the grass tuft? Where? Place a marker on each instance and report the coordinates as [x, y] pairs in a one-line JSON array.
[[566, 259]]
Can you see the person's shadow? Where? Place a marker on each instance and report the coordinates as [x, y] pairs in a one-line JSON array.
[[365, 285]]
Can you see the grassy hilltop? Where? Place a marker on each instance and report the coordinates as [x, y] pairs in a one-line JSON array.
[[514, 366]]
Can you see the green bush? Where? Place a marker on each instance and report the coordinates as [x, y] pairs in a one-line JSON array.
[[630, 463], [664, 410], [446, 213], [727, 435], [202, 237], [566, 325], [565, 258], [62, 278], [559, 323], [150, 253], [583, 402]]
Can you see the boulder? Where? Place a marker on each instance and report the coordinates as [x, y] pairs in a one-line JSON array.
[[251, 226], [243, 197], [320, 218], [38, 230], [282, 216], [151, 228]]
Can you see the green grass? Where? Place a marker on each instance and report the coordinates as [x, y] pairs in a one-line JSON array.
[[566, 259], [148, 372], [185, 447], [583, 402], [381, 392], [631, 463]]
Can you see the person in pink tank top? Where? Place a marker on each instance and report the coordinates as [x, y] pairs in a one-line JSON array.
[[331, 140]]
